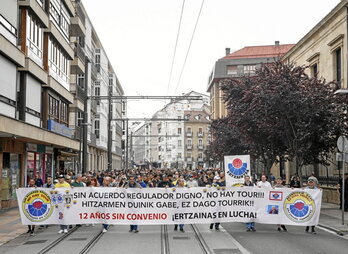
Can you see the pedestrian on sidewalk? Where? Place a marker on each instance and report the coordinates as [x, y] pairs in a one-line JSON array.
[[62, 184], [31, 228], [247, 182], [279, 185], [133, 184], [311, 184]]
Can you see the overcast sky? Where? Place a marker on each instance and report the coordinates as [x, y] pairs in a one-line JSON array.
[[139, 38]]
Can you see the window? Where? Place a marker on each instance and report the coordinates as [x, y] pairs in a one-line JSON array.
[[159, 130], [81, 80], [249, 69], [96, 128], [60, 17], [79, 118], [159, 148], [179, 143], [200, 142], [189, 155], [179, 131], [232, 70], [97, 93], [53, 110], [64, 112], [314, 70], [200, 155], [189, 142], [34, 36], [59, 63], [338, 66], [189, 130], [200, 130], [179, 155]]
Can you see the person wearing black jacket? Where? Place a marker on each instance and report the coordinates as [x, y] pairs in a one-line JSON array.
[[165, 183]]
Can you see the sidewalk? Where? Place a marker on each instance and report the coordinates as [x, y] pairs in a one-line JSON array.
[[10, 225], [331, 218]]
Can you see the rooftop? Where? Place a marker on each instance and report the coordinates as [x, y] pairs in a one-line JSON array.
[[260, 51]]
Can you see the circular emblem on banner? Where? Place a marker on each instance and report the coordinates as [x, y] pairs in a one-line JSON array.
[[299, 206], [237, 168], [37, 206]]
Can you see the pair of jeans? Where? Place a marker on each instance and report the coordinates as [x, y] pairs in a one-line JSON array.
[[106, 226], [250, 225], [134, 227]]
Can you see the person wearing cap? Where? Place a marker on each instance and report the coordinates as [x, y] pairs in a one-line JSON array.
[[62, 184], [279, 185], [311, 185]]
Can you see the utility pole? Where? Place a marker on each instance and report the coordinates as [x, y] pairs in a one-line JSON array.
[[127, 152], [85, 121], [110, 130]]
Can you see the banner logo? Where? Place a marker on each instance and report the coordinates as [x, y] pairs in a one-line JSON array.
[[299, 206], [237, 168], [37, 206], [276, 195]]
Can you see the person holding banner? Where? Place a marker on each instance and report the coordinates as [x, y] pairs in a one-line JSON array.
[[311, 185], [217, 183], [106, 183], [181, 184], [264, 183], [133, 184], [279, 184], [31, 227], [62, 184], [247, 182]]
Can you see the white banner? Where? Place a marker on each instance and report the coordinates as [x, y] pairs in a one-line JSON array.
[[236, 167], [169, 206]]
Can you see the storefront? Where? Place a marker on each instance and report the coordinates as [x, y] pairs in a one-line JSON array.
[[11, 165], [39, 161]]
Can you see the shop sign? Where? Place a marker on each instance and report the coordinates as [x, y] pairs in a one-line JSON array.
[[60, 128]]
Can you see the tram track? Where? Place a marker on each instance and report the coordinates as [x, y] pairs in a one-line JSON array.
[[165, 248], [205, 248], [57, 241]]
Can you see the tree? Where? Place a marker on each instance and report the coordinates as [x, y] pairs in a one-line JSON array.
[[281, 111]]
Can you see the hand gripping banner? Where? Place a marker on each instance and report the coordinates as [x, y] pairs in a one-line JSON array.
[[169, 206]]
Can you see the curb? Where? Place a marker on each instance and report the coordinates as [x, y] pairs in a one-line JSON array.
[[339, 232]]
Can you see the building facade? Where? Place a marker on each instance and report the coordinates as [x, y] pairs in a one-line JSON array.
[[45, 54], [241, 62], [165, 143], [324, 50]]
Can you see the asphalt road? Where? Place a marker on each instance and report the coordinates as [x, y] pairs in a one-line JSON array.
[[268, 240]]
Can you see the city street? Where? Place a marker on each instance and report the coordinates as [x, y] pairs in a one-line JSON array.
[[163, 239]]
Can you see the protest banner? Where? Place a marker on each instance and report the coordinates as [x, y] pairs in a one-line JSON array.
[[236, 167], [169, 206]]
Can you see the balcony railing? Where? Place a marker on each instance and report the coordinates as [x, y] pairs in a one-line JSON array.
[[200, 147], [81, 15], [80, 53], [199, 159], [189, 147], [81, 93], [189, 159], [93, 139], [200, 134], [188, 134]]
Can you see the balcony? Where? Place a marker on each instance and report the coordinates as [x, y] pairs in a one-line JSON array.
[[200, 147], [94, 106], [80, 93], [200, 159], [78, 23], [200, 134], [78, 64], [189, 160], [189, 147], [189, 134], [93, 139], [94, 71]]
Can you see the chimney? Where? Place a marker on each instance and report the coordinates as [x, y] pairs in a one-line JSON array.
[[276, 43], [228, 51]]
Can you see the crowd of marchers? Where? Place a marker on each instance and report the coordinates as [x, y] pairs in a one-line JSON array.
[[163, 178]]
